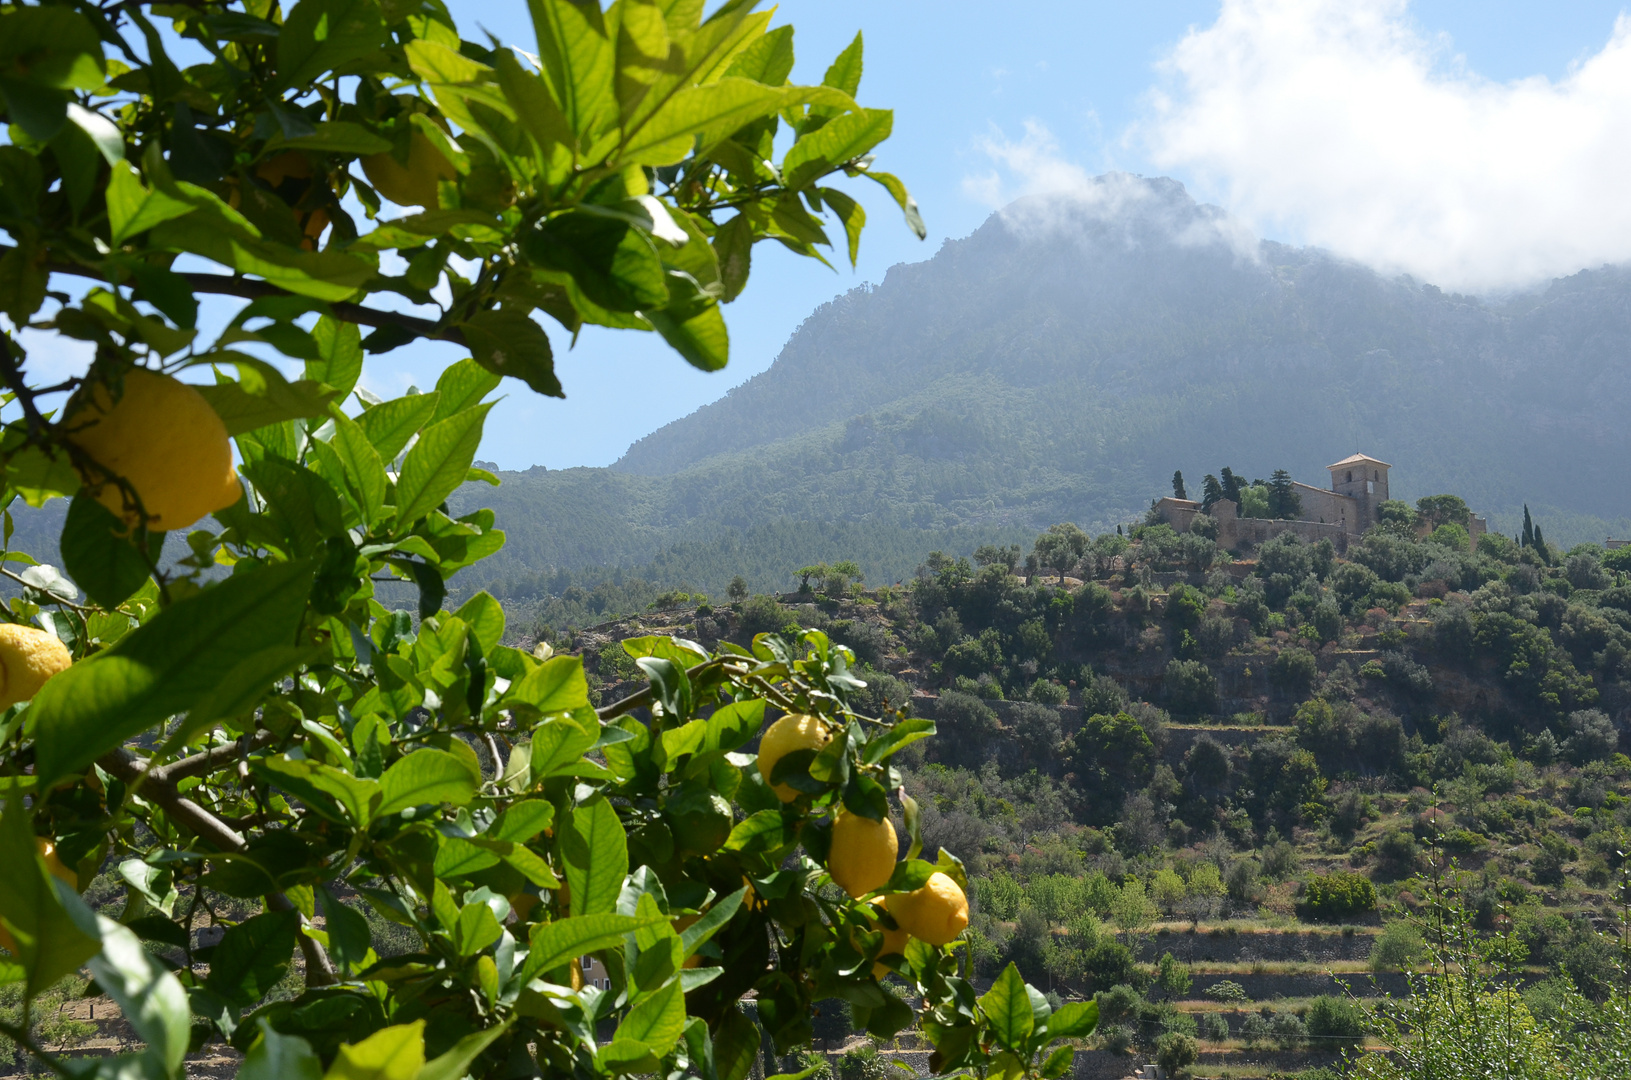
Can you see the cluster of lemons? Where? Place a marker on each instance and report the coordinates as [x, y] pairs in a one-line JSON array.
[[862, 855]]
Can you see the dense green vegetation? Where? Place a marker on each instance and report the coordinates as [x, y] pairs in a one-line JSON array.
[[1170, 752]]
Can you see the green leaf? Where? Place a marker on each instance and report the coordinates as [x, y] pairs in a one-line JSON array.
[[712, 921], [523, 820], [339, 354], [534, 105], [364, 471], [301, 507], [51, 941], [485, 617], [99, 555], [149, 997], [736, 1046], [768, 60], [164, 667], [424, 777], [279, 1057], [475, 929], [852, 214], [301, 777], [349, 938], [323, 35], [509, 342], [577, 57], [656, 1021], [902, 197], [437, 464], [389, 425], [132, 208], [253, 956], [461, 386], [724, 106], [1074, 1020], [594, 848], [845, 72], [900, 735], [556, 685], [1058, 1063], [1008, 1007], [909, 876], [456, 1062], [262, 396], [837, 141], [334, 137], [393, 1053], [554, 943], [614, 263], [52, 46], [701, 337], [763, 833], [22, 284]]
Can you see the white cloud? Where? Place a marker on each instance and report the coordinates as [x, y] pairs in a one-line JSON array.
[[1034, 161], [1338, 123]]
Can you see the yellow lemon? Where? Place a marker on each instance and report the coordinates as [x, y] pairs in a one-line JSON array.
[[792, 732], [863, 853], [413, 184], [936, 913], [894, 940], [164, 440], [28, 657], [58, 869], [290, 175]]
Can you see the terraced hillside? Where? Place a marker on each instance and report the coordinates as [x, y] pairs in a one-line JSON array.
[[1201, 787]]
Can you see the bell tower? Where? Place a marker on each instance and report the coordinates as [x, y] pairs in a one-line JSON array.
[[1363, 479]]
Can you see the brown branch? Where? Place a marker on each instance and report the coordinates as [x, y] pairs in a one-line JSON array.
[[205, 825], [206, 761], [250, 289]]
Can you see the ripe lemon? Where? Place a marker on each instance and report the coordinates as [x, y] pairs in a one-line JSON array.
[[58, 869], [863, 853], [936, 913], [162, 438], [28, 657], [792, 732], [894, 940], [413, 184]]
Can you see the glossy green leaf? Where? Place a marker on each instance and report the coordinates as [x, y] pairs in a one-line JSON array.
[[509, 342], [166, 666], [456, 1062], [389, 425], [279, 1057], [319, 36], [51, 941], [656, 1021], [837, 141], [613, 262], [475, 929], [1007, 1007], [554, 943], [701, 337], [577, 59], [424, 777], [149, 998], [392, 1053], [1074, 1020], [594, 848], [665, 136], [556, 685], [133, 208], [903, 198], [364, 470], [339, 355], [262, 396], [253, 956], [100, 555], [437, 464], [461, 386], [762, 833]]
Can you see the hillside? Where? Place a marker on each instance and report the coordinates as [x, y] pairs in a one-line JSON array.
[[1062, 361], [1199, 787]]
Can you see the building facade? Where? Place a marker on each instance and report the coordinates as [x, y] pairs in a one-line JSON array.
[[1340, 513]]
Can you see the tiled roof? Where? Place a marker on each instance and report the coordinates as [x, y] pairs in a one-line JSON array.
[[1359, 459]]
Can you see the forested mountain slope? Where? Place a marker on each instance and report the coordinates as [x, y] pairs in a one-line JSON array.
[[1063, 360]]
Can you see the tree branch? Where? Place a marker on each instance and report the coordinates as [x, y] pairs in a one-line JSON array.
[[205, 825], [250, 289]]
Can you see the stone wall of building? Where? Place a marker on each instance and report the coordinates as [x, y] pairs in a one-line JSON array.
[[1236, 532]]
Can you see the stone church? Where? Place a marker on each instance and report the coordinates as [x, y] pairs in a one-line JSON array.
[[1341, 513]]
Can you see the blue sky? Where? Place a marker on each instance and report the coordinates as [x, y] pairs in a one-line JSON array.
[[1483, 146], [965, 80]]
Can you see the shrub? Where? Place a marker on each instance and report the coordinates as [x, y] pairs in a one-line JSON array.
[[1175, 1053], [761, 614], [1398, 946], [1212, 1027], [862, 1063], [1191, 689], [1336, 1021], [1226, 990], [1337, 896], [1293, 669]]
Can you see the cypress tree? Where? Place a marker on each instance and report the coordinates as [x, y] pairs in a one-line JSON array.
[[1178, 484], [1231, 484], [1528, 529]]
